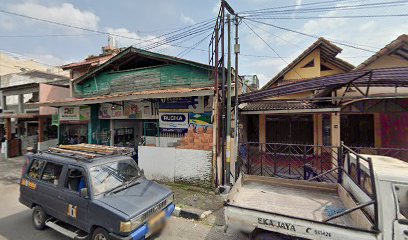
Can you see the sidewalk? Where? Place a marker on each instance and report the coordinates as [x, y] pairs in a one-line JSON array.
[[195, 202], [10, 170]]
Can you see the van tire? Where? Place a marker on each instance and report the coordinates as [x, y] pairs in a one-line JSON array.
[[100, 234], [39, 217]]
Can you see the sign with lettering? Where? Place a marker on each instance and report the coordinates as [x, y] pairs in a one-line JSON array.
[[126, 110], [76, 114], [173, 120], [200, 119]]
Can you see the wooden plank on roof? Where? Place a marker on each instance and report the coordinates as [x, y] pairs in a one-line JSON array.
[[80, 147], [87, 155]]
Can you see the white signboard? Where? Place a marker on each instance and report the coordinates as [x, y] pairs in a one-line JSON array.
[[173, 120], [69, 113]]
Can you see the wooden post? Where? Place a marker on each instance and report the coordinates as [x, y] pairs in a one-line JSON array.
[[335, 135], [40, 129], [262, 128], [8, 129]]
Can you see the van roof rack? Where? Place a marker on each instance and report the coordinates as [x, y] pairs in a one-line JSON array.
[[88, 151]]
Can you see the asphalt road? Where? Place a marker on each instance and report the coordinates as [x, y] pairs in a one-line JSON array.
[[15, 219]]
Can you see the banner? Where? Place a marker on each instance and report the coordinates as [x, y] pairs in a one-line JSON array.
[[126, 110], [189, 104]]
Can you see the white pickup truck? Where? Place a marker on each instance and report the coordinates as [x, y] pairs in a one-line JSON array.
[[370, 201]]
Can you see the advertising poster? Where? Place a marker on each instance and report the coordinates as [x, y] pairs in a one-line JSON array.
[[74, 114], [200, 119]]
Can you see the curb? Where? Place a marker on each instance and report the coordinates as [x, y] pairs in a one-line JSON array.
[[195, 214]]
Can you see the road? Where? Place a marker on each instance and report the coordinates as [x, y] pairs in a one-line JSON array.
[[15, 219]]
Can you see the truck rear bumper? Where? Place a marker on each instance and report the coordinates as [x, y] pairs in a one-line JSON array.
[[143, 231]]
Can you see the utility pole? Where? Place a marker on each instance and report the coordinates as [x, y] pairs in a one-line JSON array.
[[223, 122], [236, 51], [228, 153]]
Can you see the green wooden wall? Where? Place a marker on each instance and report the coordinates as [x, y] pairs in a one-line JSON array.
[[160, 77]]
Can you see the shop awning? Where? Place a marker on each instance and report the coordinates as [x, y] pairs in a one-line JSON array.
[[23, 115], [279, 107], [154, 94]]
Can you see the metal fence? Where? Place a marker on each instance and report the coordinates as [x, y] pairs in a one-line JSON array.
[[299, 161]]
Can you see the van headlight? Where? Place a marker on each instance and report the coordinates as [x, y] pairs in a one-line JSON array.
[[131, 225]]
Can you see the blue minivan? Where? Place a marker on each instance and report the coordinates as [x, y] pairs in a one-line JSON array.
[[93, 192]]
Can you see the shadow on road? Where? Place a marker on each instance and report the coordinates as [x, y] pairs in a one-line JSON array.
[[19, 226]]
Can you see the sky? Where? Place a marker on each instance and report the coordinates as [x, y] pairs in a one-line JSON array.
[[147, 20]]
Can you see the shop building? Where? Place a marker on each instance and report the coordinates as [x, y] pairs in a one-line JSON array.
[[141, 98]]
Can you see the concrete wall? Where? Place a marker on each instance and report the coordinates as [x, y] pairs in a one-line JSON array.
[[176, 165], [46, 144], [51, 92]]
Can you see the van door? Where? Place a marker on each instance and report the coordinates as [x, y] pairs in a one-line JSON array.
[[401, 222], [48, 187], [76, 207]]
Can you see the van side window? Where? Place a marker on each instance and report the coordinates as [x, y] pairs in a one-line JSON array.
[[52, 173], [36, 168], [76, 180], [401, 192]]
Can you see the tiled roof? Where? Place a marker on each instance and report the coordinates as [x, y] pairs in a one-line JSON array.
[[162, 93], [328, 52], [398, 47], [285, 105]]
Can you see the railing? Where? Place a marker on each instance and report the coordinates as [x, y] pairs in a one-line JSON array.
[[294, 161], [399, 153], [314, 163]]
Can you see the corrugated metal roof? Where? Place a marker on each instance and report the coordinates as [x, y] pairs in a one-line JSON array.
[[285, 105], [179, 92], [386, 77]]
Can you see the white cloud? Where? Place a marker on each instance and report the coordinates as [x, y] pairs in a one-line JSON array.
[[298, 4], [131, 38], [186, 19], [65, 13], [6, 23]]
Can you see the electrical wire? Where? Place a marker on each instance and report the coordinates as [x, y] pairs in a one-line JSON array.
[[267, 44], [332, 17], [187, 51], [313, 36]]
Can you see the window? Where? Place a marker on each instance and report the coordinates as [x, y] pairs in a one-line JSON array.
[[112, 175], [325, 68], [36, 168], [309, 64], [52, 173], [401, 192], [76, 180]]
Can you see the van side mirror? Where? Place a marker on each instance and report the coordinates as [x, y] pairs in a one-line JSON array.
[[84, 192]]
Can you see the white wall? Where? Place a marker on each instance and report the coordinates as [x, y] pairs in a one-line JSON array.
[[176, 165]]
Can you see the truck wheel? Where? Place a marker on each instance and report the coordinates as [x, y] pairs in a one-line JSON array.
[[39, 218], [100, 234], [265, 235]]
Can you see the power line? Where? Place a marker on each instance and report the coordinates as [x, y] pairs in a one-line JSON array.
[[84, 29], [267, 44], [332, 17], [187, 51], [313, 36], [324, 9], [47, 35]]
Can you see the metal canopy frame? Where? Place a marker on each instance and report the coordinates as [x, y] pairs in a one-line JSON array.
[[387, 77]]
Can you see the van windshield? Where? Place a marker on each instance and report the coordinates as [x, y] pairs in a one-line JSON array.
[[111, 175]]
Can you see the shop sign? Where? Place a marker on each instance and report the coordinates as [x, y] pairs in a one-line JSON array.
[[74, 113], [173, 120], [69, 113], [200, 119]]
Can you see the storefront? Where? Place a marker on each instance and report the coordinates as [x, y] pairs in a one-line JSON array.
[[74, 124]]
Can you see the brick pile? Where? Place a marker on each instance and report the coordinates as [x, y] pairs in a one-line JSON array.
[[200, 140]]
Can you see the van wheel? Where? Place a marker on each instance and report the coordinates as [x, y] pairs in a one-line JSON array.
[[39, 218], [100, 234], [259, 234]]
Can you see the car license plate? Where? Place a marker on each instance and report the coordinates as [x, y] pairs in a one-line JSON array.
[[157, 222]]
